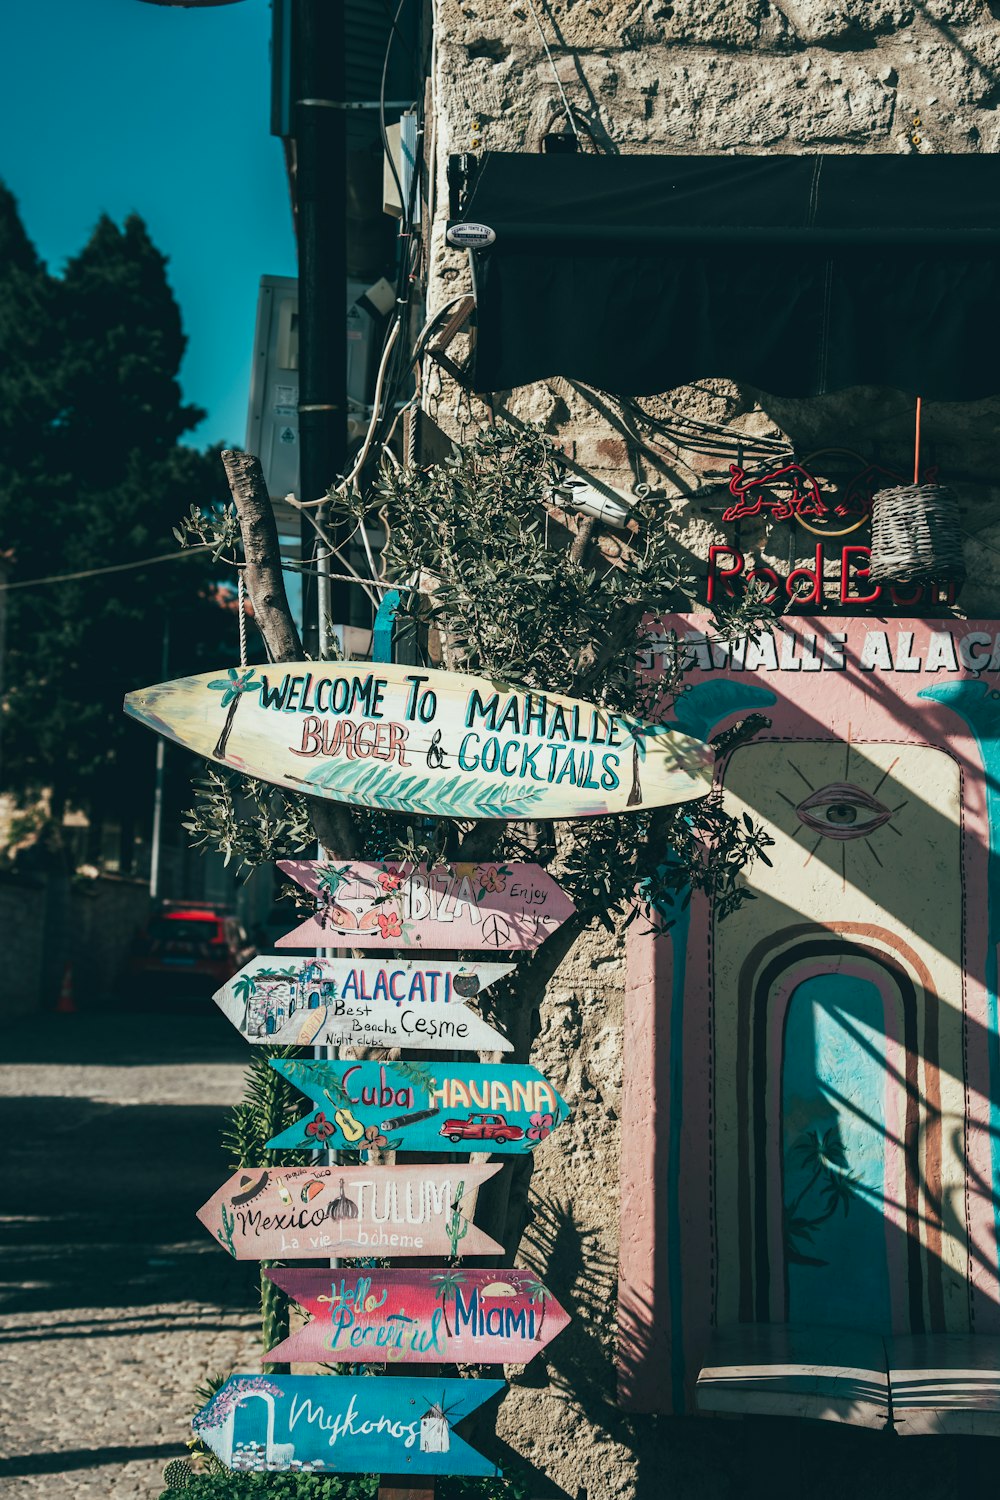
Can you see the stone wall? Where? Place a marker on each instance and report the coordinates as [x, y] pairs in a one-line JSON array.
[[698, 76], [47, 922], [105, 914], [753, 77], [22, 923]]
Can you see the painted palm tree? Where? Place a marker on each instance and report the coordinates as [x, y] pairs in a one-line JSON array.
[[240, 680], [329, 879], [447, 1283], [244, 989], [640, 732], [538, 1294], [826, 1160]]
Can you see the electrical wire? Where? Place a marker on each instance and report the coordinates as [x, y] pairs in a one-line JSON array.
[[129, 567], [426, 333], [359, 462], [555, 75], [706, 437], [383, 128]]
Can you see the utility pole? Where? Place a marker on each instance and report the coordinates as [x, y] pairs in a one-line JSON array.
[[161, 748], [319, 123]]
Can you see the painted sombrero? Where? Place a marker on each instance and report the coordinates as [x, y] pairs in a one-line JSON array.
[[250, 1188]]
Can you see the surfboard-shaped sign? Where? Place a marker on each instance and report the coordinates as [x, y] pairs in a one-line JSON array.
[[451, 1314], [461, 907], [322, 1424], [333, 1002], [443, 744], [505, 1108], [309, 1213]]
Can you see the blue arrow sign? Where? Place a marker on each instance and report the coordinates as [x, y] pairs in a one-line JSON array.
[[316, 1424], [385, 1106]]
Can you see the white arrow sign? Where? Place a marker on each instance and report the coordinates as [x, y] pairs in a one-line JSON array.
[[330, 1002]]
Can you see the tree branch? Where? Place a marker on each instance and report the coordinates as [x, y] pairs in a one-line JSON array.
[[593, 661], [333, 824], [263, 576]]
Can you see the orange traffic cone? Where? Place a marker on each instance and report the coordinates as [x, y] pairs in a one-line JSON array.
[[66, 1005]]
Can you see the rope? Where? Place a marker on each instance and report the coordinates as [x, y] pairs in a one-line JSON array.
[[241, 605]]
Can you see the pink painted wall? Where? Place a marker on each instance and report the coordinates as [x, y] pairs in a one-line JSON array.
[[834, 1042]]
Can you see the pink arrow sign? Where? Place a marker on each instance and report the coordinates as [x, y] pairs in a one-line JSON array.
[[461, 906], [449, 1315], [303, 1213]]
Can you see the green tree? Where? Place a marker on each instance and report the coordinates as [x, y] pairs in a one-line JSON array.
[[92, 475], [29, 348]]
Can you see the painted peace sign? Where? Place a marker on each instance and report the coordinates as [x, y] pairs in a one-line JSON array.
[[496, 931]]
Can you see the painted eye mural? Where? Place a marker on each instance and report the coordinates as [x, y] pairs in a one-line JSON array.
[[822, 1060], [842, 811]]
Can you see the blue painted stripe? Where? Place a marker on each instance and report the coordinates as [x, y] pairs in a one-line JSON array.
[[679, 942], [979, 705]]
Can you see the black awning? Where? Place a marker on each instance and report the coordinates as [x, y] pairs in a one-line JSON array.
[[797, 275]]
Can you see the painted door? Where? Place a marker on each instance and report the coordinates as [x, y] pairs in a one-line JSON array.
[[839, 1107], [838, 1170]]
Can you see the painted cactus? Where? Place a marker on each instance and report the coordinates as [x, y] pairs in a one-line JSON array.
[[458, 1224]]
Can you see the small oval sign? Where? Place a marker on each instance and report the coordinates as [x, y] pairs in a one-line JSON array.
[[471, 236]]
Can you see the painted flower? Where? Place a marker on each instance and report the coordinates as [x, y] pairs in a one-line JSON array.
[[494, 880], [540, 1126], [374, 1140], [388, 925], [389, 880], [321, 1128], [228, 1397]]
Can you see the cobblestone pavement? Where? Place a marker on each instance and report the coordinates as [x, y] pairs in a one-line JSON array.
[[114, 1303]]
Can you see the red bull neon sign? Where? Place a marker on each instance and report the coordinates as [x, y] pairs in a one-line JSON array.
[[811, 494]]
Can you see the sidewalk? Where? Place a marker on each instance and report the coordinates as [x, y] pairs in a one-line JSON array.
[[114, 1303]]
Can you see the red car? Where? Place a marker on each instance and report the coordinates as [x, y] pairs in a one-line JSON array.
[[481, 1128], [189, 943]]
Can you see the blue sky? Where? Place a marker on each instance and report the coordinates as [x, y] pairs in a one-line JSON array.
[[110, 106]]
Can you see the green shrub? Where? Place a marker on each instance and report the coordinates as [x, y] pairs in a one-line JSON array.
[[229, 1486]]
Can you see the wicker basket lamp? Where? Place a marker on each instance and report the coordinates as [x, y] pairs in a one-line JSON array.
[[916, 536]]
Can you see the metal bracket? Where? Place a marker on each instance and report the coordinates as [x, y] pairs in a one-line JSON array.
[[384, 626]]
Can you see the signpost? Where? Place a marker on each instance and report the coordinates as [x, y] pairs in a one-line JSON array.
[[462, 906], [380, 1002], [452, 1315], [389, 1106], [319, 1424], [440, 744], [305, 1213]]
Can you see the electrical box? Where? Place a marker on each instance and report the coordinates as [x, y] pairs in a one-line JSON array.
[[273, 418], [403, 150]]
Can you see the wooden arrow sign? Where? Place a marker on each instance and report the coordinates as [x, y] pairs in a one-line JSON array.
[[305, 1213], [362, 1003], [437, 743], [461, 907], [410, 1106], [320, 1424], [453, 1315]]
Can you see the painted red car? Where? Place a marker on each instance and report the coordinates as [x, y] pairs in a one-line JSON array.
[[481, 1128]]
